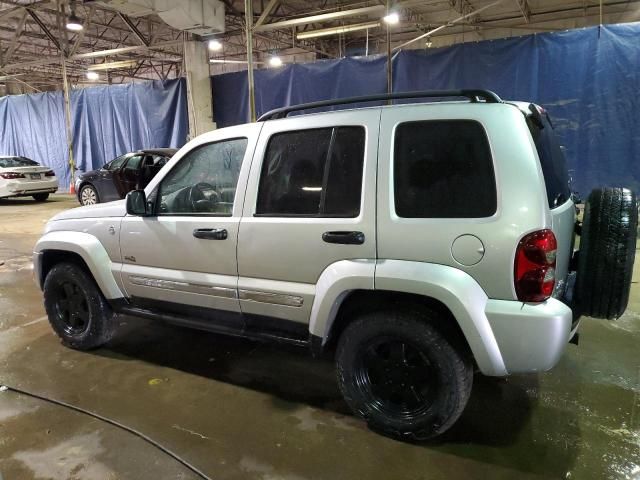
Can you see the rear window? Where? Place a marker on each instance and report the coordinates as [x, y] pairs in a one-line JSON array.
[[11, 162], [552, 161], [443, 169]]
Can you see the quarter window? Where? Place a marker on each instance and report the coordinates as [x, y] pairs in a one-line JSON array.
[[443, 169], [204, 181], [313, 173]]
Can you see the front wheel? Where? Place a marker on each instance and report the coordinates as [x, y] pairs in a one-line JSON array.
[[40, 197], [402, 375], [77, 310], [89, 195]]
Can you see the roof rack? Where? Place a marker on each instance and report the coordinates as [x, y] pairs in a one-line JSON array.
[[474, 95]]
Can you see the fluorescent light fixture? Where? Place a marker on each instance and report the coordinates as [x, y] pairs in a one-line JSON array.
[[113, 65], [312, 189], [235, 62], [391, 18], [92, 76], [73, 23], [323, 32], [215, 45], [275, 61]]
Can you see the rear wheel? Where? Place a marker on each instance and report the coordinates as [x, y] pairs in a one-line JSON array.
[[40, 197], [77, 310], [607, 252], [89, 195], [402, 375]]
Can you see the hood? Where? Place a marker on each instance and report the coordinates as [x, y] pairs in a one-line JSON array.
[[101, 210]]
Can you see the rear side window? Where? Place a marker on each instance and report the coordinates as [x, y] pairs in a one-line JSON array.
[[552, 161], [443, 169], [313, 173]]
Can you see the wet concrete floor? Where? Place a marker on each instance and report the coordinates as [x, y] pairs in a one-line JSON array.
[[243, 410]]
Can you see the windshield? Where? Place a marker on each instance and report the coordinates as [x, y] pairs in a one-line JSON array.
[[552, 161], [11, 162]]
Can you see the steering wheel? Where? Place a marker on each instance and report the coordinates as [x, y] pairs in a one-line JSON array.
[[198, 200]]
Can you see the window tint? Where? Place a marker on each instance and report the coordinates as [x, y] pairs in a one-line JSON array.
[[314, 172], [116, 163], [204, 181], [443, 169], [552, 161]]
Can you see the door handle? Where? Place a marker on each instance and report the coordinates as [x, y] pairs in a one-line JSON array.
[[210, 233], [347, 238]]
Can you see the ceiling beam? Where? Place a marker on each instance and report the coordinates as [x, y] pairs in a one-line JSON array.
[[134, 29], [44, 28], [320, 18], [14, 41], [80, 36], [523, 5], [266, 12]]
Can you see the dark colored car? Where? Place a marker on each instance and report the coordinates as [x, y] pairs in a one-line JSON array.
[[121, 175]]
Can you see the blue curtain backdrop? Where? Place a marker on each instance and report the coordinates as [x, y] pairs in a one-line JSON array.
[[587, 79], [106, 121]]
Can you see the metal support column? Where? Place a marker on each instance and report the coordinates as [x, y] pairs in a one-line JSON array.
[[67, 110], [389, 66], [248, 16]]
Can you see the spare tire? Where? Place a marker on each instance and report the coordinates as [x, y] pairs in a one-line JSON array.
[[607, 252]]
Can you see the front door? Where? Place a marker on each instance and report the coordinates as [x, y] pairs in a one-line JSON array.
[[126, 178], [310, 202], [185, 255]]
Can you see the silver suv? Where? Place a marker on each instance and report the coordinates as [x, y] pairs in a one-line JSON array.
[[415, 243]]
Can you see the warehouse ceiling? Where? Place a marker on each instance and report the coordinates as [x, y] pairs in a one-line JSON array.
[[122, 42]]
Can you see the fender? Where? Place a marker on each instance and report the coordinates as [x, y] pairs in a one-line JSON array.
[[334, 284], [90, 250], [459, 292]]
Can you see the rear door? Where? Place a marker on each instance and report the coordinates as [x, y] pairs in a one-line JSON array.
[[310, 202]]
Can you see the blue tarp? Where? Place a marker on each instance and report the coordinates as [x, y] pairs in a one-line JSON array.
[[587, 79], [106, 121]]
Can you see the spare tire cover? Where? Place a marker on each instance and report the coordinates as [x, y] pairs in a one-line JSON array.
[[607, 253]]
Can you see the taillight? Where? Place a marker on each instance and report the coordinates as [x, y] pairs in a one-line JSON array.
[[11, 175], [50, 173], [535, 266]]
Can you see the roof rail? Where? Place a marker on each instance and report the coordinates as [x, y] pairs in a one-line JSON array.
[[473, 95]]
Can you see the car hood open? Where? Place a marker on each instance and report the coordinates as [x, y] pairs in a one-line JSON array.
[[101, 210]]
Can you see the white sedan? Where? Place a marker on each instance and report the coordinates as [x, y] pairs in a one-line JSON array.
[[22, 177]]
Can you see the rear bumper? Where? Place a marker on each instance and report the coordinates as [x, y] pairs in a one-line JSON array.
[[530, 337], [23, 189]]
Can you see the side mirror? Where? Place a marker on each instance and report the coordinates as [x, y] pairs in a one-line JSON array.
[[137, 203]]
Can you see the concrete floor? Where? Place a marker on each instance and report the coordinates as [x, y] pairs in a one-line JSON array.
[[241, 410]]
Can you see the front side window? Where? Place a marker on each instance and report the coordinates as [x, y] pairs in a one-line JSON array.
[[313, 173], [204, 181], [134, 162], [443, 169], [116, 163]]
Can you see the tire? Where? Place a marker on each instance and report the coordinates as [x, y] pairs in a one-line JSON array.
[[77, 310], [440, 375], [89, 195], [40, 197], [607, 253]]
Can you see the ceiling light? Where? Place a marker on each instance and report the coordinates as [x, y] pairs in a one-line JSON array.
[[392, 18], [73, 23], [215, 45], [275, 61], [323, 32], [93, 75]]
